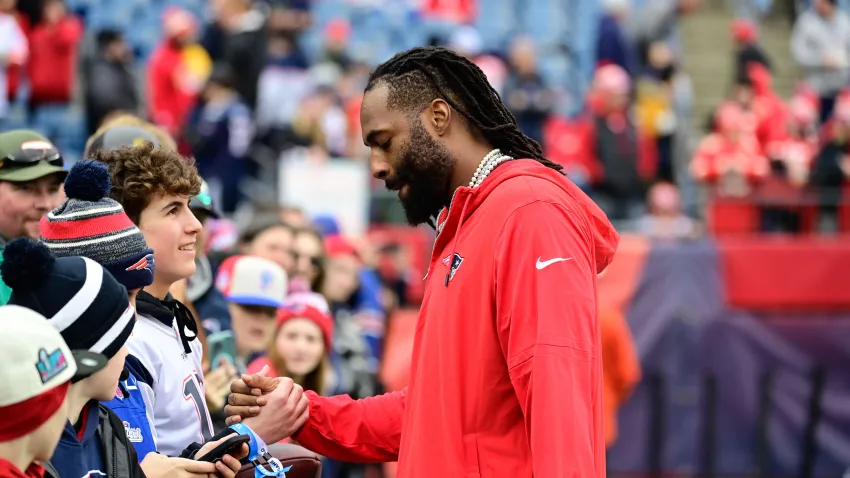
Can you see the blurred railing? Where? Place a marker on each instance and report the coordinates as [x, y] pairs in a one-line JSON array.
[[777, 207]]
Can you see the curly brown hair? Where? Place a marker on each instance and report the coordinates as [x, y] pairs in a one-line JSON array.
[[140, 173]]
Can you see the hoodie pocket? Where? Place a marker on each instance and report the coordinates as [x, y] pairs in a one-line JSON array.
[[471, 466]]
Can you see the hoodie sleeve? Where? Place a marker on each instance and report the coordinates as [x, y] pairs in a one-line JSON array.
[[546, 319], [359, 431]]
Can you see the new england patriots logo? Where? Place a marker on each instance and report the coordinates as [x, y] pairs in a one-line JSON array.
[[453, 262], [145, 263], [50, 364]]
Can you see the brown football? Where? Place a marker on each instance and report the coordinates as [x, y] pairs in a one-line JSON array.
[[305, 463]]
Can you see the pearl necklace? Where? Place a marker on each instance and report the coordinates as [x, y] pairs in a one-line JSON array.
[[487, 165]]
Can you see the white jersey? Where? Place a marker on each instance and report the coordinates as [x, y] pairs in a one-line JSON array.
[[175, 400]]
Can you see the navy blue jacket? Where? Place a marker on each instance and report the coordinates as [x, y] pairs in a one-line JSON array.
[[102, 451]]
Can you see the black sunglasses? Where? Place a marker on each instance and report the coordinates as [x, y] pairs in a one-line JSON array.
[[31, 156], [314, 261]]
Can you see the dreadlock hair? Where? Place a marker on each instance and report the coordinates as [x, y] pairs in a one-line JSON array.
[[418, 76]]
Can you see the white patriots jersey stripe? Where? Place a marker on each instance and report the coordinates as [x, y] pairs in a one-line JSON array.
[[175, 403]]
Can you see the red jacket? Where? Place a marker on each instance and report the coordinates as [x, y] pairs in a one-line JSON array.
[[53, 60], [14, 71], [170, 102], [506, 373]]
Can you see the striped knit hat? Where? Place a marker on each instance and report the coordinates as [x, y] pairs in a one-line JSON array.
[[90, 224], [88, 306]]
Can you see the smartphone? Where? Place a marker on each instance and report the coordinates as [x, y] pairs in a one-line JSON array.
[[228, 447], [221, 347]]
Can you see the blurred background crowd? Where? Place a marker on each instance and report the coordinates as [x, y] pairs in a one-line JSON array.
[[714, 133]]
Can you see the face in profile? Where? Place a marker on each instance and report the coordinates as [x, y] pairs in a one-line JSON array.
[[171, 230], [101, 386], [406, 157]]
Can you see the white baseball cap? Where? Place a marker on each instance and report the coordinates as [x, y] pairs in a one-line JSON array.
[[248, 280], [35, 368]]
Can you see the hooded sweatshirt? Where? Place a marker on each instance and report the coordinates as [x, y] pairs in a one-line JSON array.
[[80, 454], [100, 449], [506, 373]]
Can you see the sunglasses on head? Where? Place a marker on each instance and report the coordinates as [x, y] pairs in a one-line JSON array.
[[24, 157], [204, 199]]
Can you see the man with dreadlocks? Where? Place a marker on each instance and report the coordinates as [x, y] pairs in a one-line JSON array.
[[506, 375]]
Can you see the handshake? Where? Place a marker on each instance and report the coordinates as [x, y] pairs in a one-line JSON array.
[[275, 408]]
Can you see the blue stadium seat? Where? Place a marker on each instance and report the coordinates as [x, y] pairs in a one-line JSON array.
[[378, 33]]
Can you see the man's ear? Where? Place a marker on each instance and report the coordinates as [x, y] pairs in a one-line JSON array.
[[440, 116]]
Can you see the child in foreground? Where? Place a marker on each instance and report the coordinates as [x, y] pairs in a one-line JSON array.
[[92, 312], [35, 377]]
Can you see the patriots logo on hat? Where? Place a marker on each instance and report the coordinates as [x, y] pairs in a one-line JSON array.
[[50, 364], [145, 263]]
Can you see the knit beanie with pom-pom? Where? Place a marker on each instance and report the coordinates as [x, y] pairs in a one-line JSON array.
[[90, 224], [88, 306]]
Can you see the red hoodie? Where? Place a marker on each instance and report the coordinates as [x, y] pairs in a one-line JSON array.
[[506, 373], [53, 60], [170, 103]]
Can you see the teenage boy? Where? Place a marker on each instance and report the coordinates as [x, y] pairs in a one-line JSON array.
[[92, 312], [200, 293], [154, 186], [36, 372]]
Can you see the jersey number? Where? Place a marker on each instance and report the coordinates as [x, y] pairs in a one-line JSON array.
[[191, 392]]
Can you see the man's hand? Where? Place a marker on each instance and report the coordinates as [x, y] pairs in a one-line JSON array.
[[273, 408], [229, 464], [246, 395], [160, 466]]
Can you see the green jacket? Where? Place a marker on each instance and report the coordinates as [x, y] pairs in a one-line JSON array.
[[5, 291]]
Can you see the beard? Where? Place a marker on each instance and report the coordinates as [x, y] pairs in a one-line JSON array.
[[425, 166]]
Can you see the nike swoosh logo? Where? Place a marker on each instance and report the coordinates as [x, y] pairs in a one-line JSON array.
[[545, 264]]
